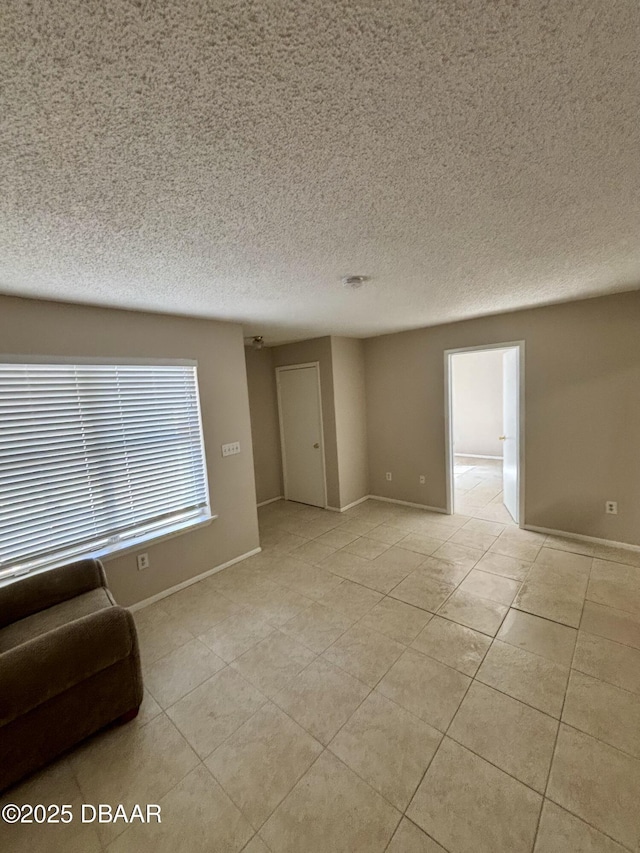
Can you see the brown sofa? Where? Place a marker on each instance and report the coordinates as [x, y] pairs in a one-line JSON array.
[[69, 665]]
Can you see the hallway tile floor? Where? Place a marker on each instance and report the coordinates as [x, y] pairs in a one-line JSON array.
[[478, 488], [385, 679]]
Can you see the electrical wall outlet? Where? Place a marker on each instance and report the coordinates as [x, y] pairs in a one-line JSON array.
[[611, 507], [143, 561], [423, 479], [389, 475], [231, 449]]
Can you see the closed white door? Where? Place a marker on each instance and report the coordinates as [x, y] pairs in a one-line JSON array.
[[511, 431], [301, 434]]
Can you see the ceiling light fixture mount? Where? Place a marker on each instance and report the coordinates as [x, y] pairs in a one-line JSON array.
[[354, 281], [255, 342]]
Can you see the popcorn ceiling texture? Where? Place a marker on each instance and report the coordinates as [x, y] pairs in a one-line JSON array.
[[235, 159]]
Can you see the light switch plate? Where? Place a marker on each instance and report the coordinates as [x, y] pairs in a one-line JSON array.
[[231, 449]]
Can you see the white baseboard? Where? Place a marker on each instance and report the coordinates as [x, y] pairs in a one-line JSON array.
[[408, 503], [581, 537], [166, 592], [348, 506], [477, 456], [270, 501]]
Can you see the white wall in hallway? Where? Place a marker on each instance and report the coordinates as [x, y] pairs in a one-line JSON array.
[[477, 402]]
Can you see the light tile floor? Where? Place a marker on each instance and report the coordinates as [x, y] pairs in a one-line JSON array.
[[382, 679], [478, 488]]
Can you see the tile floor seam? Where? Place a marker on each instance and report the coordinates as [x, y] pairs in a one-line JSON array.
[[444, 663], [634, 550], [369, 785], [484, 633], [302, 642], [337, 666], [328, 747], [579, 817], [239, 726], [231, 734], [442, 740], [498, 690], [408, 711], [605, 744], [492, 763], [635, 757], [560, 721], [445, 733], [529, 651], [522, 702], [350, 673], [370, 689], [175, 649], [434, 613], [213, 675], [397, 704], [548, 618], [362, 779], [357, 583], [419, 828], [602, 636], [150, 691], [284, 797], [259, 640], [173, 787]]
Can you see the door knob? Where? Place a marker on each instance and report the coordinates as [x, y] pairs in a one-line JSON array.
[[502, 438], [316, 445]]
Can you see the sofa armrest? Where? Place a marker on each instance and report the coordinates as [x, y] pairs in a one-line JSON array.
[[47, 665], [30, 594]]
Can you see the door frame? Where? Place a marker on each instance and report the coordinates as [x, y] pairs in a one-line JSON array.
[[280, 370], [448, 418]]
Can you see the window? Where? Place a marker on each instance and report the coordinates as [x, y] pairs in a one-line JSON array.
[[95, 458]]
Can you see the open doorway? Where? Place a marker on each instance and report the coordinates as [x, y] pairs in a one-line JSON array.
[[484, 433]]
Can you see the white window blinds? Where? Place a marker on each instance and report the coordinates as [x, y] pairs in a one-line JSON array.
[[94, 457]]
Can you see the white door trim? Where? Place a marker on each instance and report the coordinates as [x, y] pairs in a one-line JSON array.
[[448, 421], [280, 370]]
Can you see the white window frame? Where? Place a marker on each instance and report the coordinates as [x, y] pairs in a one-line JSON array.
[[118, 546]]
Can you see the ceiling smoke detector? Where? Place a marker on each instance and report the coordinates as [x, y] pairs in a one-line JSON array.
[[354, 281], [257, 342]]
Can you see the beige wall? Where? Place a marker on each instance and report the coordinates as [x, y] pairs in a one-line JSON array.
[[351, 418], [582, 398], [265, 427], [477, 402], [31, 327], [342, 384], [303, 352]]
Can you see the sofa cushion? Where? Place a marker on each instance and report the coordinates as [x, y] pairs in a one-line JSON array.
[[48, 664], [22, 596], [53, 617]]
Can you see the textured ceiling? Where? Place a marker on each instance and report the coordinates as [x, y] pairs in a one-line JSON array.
[[235, 159]]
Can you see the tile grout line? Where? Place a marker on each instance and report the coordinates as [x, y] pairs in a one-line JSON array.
[[444, 735], [579, 817], [492, 636], [561, 723], [371, 689], [326, 748]]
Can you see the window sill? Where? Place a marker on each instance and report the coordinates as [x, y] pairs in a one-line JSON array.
[[118, 549], [128, 545]]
